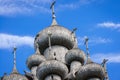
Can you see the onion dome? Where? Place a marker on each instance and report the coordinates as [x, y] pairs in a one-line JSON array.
[[52, 67], [35, 59], [59, 35], [74, 58], [90, 72], [75, 55]]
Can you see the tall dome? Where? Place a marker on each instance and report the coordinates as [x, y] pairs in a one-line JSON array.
[[59, 35]]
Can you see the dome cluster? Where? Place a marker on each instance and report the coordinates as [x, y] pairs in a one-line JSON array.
[[57, 57], [63, 60]]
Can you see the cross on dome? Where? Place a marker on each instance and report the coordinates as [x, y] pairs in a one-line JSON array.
[[54, 22], [14, 68]]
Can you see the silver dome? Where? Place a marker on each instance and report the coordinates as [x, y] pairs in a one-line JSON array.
[[35, 60], [75, 54], [51, 67], [60, 36], [92, 70]]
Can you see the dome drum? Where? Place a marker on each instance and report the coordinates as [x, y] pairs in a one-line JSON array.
[[33, 70], [53, 77], [75, 66], [56, 53]]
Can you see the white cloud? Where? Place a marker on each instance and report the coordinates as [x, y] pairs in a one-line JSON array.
[[8, 7], [8, 41], [12, 7], [112, 57], [111, 25], [5, 10], [67, 6], [93, 40], [74, 5]]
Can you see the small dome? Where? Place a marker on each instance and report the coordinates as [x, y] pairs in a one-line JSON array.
[[52, 67], [75, 54], [89, 71], [60, 36], [35, 60], [14, 77]]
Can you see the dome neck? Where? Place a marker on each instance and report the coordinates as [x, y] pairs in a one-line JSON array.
[[86, 44], [104, 66], [37, 49], [54, 22], [14, 68], [88, 59], [87, 51], [104, 63], [75, 42], [74, 38], [49, 40]]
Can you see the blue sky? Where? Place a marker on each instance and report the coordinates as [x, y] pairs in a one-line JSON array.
[[21, 20]]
